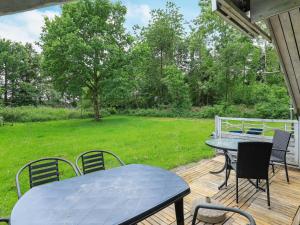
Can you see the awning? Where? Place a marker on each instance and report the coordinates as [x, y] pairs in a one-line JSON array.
[[14, 6]]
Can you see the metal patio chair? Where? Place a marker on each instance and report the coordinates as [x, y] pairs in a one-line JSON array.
[[43, 171], [223, 208], [4, 220], [281, 141], [94, 160], [251, 162]]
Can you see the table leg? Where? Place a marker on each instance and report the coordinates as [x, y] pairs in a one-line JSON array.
[[227, 171], [179, 212], [223, 168]]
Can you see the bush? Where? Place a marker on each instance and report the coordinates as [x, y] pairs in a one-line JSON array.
[[34, 114], [267, 110], [258, 111]]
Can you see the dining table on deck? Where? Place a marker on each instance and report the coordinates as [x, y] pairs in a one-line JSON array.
[[226, 145], [124, 195]]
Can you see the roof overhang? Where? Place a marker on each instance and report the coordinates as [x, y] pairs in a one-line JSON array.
[[14, 6], [236, 13], [263, 9]]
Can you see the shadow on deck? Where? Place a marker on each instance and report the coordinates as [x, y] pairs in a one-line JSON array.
[[285, 198]]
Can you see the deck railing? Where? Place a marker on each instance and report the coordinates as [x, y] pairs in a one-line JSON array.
[[240, 127]]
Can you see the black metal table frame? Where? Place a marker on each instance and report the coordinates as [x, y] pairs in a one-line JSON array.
[[224, 168]]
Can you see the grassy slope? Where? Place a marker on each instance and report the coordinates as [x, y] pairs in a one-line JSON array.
[[161, 142]]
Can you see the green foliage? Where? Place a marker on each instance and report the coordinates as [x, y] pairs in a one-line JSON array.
[[84, 46], [34, 114], [164, 45], [226, 67], [260, 110], [19, 71], [273, 102], [177, 88], [89, 61]]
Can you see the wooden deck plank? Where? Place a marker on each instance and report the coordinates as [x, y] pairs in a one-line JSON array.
[[285, 198]]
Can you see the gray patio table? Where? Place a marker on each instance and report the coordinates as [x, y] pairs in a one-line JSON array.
[[123, 195], [226, 145]]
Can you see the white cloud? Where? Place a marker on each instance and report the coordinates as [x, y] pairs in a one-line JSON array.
[[27, 26], [138, 12], [24, 27]]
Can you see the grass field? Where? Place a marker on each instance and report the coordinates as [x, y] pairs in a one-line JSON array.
[[160, 142]]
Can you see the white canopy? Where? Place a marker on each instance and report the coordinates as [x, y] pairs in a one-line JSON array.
[[14, 6]]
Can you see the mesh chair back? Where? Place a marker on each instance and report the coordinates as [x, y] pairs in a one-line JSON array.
[[43, 171], [253, 160], [281, 141], [92, 161]]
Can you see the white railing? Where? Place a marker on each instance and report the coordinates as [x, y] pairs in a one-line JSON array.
[[240, 127]]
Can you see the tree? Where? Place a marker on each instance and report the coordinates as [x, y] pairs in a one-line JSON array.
[[84, 46], [20, 74], [177, 88], [165, 37]]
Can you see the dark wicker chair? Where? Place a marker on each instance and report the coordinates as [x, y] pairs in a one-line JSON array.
[[43, 171], [4, 220], [94, 160], [222, 208], [281, 141], [251, 162]]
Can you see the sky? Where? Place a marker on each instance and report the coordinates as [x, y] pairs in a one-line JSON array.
[[27, 26]]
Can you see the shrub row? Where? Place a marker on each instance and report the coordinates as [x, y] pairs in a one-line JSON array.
[[34, 114], [264, 111]]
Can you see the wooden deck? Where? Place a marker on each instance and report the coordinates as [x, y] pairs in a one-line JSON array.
[[285, 198]]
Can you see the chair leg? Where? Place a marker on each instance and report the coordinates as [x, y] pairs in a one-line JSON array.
[[273, 169], [256, 183], [268, 192], [227, 176], [286, 172], [237, 189]]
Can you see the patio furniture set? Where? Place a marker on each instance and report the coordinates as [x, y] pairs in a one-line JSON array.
[[130, 193], [251, 160]]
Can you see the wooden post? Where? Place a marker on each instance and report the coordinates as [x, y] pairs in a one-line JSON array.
[[217, 121], [297, 147]]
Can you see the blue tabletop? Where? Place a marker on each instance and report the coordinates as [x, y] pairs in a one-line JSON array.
[[230, 144], [117, 196]]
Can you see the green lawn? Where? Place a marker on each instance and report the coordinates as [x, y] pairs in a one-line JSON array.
[[160, 142]]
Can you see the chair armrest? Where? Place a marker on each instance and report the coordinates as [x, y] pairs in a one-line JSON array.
[[222, 208], [4, 220], [280, 150]]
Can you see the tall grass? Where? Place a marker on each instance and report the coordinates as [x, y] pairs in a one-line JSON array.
[[34, 114]]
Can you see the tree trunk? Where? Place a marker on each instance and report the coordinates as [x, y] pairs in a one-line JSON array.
[[226, 87], [5, 87], [161, 76], [97, 115]]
